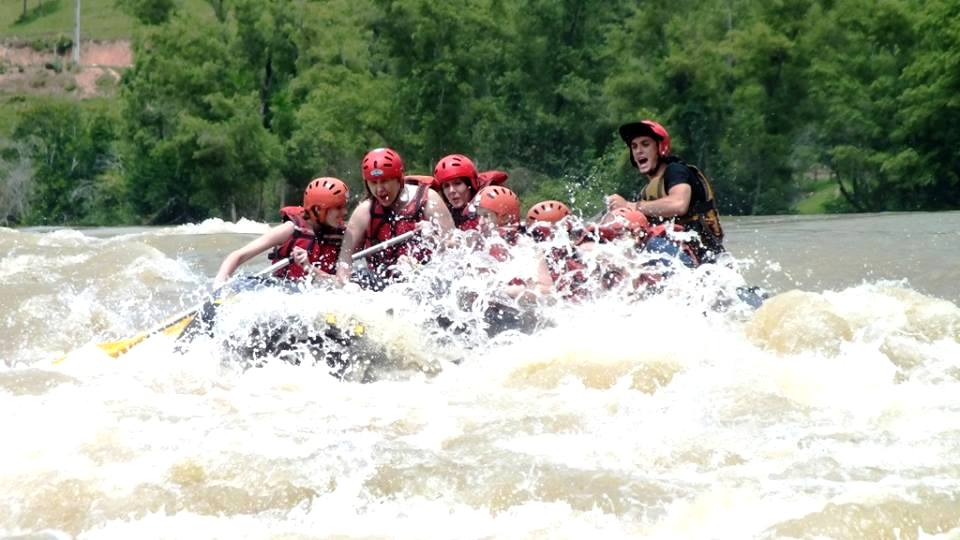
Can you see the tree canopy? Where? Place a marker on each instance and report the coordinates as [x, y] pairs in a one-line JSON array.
[[236, 116]]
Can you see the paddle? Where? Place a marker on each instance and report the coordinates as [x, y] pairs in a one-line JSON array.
[[176, 323], [362, 274], [384, 245]]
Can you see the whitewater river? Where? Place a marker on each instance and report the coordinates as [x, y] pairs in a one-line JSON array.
[[831, 412]]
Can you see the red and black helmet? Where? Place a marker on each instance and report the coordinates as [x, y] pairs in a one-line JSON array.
[[382, 164], [453, 167], [323, 194], [547, 211], [649, 128]]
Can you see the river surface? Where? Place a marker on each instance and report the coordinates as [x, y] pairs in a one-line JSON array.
[[833, 411]]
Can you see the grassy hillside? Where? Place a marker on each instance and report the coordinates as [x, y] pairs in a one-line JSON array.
[[816, 197], [99, 19]]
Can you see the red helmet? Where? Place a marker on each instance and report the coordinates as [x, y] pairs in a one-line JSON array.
[[628, 132], [500, 200], [548, 211], [456, 166], [382, 164], [322, 194]]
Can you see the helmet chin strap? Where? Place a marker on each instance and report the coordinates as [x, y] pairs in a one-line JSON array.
[[319, 215]]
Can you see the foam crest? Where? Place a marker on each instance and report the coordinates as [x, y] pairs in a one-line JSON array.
[[217, 226]]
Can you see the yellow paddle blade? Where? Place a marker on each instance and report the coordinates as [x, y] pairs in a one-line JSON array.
[[177, 325], [115, 348], [177, 328]]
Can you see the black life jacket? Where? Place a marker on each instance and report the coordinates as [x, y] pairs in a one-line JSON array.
[[702, 216]]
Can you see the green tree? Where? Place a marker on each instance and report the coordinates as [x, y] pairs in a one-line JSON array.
[[149, 11], [855, 78], [505, 84], [926, 162], [341, 103], [767, 88], [552, 88], [195, 137], [228, 117], [70, 149], [446, 59], [727, 79]]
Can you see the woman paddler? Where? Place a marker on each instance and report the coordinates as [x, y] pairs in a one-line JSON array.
[[457, 180], [394, 206], [310, 235]]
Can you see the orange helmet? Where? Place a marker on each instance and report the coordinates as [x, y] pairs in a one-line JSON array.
[[501, 201], [548, 211], [618, 223], [323, 194], [633, 220], [382, 164], [455, 166]]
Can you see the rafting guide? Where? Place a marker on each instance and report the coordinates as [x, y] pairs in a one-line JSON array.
[[674, 191]]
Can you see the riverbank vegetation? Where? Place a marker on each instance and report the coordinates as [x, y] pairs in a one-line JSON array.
[[853, 99]]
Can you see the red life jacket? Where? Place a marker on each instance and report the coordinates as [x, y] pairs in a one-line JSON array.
[[612, 231], [651, 280], [567, 270], [322, 247], [389, 222], [500, 251], [491, 178], [464, 219]]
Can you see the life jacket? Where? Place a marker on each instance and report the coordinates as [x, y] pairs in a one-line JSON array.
[[388, 222], [323, 247], [500, 251], [702, 217], [464, 218], [491, 178], [653, 239], [568, 271]]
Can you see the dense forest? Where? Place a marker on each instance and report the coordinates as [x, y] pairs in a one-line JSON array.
[[234, 116]]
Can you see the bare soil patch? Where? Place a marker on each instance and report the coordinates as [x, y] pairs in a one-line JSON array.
[[24, 70]]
